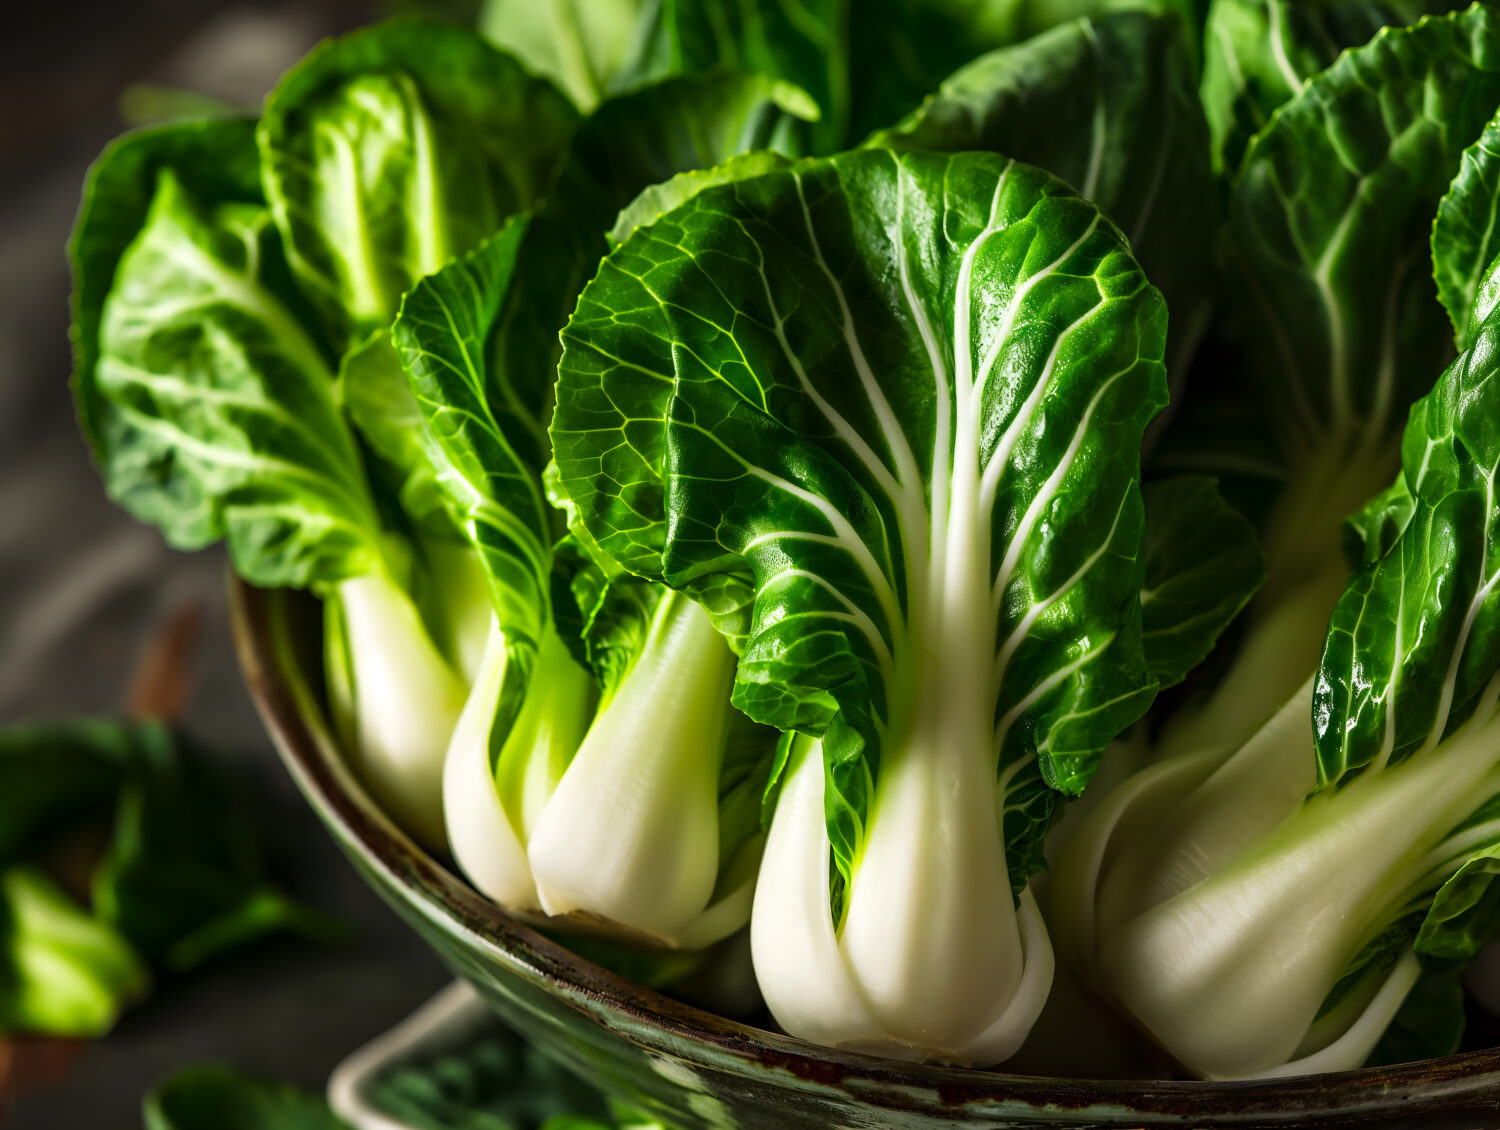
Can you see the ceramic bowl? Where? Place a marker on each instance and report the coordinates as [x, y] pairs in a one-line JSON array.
[[696, 1070]]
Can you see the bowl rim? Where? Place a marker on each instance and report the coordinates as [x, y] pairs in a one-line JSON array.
[[437, 892]]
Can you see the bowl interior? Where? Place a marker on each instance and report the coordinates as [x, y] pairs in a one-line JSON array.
[[694, 1069]]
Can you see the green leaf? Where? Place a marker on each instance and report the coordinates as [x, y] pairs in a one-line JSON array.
[[1259, 53], [1202, 566], [1110, 105], [589, 48], [62, 972], [1465, 914], [616, 610], [1371, 532], [1331, 219], [54, 772], [1373, 961], [217, 161], [900, 50], [379, 400], [389, 151], [201, 350], [1330, 223], [1430, 1023], [478, 339], [182, 877], [659, 199], [493, 484], [1416, 635], [802, 45], [221, 1098], [1040, 15], [1465, 235], [763, 395]]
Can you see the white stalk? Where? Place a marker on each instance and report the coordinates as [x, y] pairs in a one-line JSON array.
[[1353, 1047], [406, 701], [1284, 643], [812, 987], [1288, 619], [485, 845], [1229, 972], [630, 836], [491, 802], [930, 933], [1169, 848], [798, 962]]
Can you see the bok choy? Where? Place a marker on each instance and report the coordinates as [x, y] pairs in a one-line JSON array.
[[1269, 915], [880, 415], [222, 269], [598, 774]]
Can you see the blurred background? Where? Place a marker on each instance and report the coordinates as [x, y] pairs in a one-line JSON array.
[[84, 590]]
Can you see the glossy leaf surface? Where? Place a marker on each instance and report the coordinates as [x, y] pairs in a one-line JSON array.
[[1110, 105], [1466, 234], [1416, 635], [799, 442]]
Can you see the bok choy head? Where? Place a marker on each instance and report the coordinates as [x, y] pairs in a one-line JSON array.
[[224, 276], [1336, 317], [599, 775], [1268, 915], [880, 414]]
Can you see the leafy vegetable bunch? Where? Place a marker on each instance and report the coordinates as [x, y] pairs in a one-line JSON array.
[[723, 473], [122, 849]]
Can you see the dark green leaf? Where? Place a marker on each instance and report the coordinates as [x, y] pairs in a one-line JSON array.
[[1330, 223], [183, 877], [1430, 1023], [1331, 219], [53, 772], [1202, 567], [496, 1082], [1259, 53], [1040, 15], [1466, 236], [1110, 105], [900, 50], [220, 1098], [800, 44]]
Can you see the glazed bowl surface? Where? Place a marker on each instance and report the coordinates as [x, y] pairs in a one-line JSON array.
[[702, 1072]]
